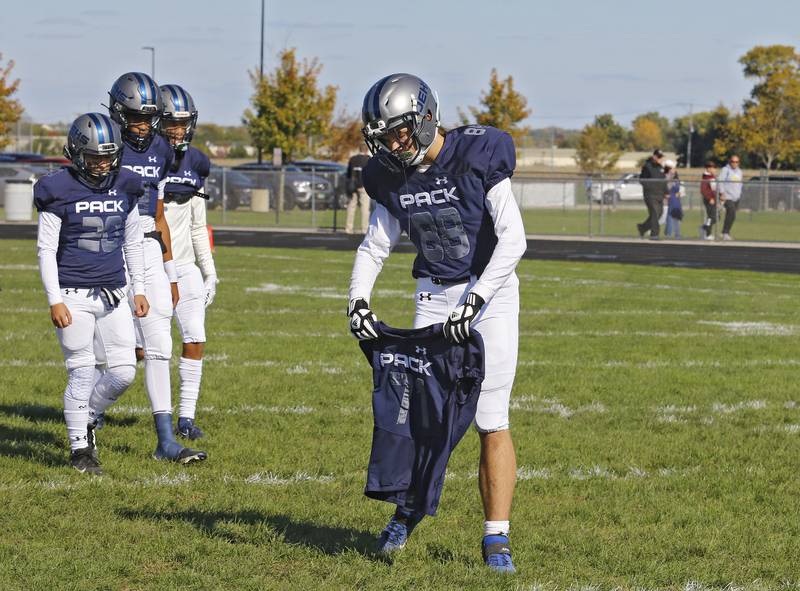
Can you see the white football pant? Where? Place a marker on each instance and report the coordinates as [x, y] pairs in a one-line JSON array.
[[498, 324]]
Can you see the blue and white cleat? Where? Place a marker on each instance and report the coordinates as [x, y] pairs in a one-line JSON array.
[[497, 554], [395, 535], [188, 430], [179, 454]]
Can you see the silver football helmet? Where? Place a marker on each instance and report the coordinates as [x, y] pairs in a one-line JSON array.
[[97, 136], [135, 93], [178, 106], [400, 102]]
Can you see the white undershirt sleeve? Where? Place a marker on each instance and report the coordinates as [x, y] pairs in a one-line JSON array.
[[382, 236], [47, 245], [511, 243], [161, 185], [200, 241], [134, 251]]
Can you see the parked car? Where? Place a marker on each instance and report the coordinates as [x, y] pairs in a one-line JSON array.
[[626, 188], [333, 172], [238, 186], [779, 192], [300, 189]]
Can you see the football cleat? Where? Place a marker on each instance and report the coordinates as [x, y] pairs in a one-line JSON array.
[[188, 430], [85, 461], [181, 455], [395, 535], [497, 554]]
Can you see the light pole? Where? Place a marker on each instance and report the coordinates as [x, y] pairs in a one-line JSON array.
[[261, 68], [152, 51]]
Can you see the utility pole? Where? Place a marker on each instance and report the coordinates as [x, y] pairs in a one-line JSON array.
[[261, 65], [152, 51], [689, 143]]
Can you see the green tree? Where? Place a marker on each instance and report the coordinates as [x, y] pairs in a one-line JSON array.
[[10, 108], [709, 126], [502, 107], [597, 149], [288, 108], [769, 124], [617, 134]]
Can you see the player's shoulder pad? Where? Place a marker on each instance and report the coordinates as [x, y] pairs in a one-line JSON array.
[[130, 182], [202, 162], [378, 180], [488, 150], [48, 187]]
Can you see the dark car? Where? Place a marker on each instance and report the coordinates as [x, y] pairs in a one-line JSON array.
[[299, 188], [779, 192], [238, 186], [334, 172]]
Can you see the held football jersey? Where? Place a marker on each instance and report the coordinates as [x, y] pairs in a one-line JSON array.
[[92, 226], [188, 172], [424, 399], [152, 165], [443, 209]]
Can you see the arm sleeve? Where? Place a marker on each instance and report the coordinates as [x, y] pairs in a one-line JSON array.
[[511, 243], [47, 245], [134, 251], [200, 242], [382, 236], [161, 185]]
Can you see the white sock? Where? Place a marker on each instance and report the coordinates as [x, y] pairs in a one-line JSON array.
[[156, 381], [109, 387], [191, 371], [496, 528], [76, 405]]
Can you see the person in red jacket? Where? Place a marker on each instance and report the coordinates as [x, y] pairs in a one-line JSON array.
[[708, 189]]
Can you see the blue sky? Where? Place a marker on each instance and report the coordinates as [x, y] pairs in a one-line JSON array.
[[570, 59]]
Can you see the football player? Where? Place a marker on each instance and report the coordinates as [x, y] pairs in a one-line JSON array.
[[135, 104], [87, 219], [450, 192], [185, 210]]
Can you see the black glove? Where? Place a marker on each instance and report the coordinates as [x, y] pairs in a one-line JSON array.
[[456, 328], [362, 320]]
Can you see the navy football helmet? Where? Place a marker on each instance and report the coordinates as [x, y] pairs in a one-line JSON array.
[[400, 102], [96, 136], [178, 106], [135, 96]]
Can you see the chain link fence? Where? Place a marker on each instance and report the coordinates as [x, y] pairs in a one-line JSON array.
[[316, 195]]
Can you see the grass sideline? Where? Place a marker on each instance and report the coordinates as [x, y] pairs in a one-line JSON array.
[[656, 416]]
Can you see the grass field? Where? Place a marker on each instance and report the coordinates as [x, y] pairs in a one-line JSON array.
[[656, 415]]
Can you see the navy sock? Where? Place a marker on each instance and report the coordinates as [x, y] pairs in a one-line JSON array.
[[166, 439]]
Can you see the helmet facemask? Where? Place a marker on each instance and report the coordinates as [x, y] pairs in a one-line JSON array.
[[97, 168], [178, 129], [404, 139], [129, 120]]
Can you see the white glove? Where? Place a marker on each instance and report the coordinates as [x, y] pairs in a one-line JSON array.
[[210, 285], [362, 320], [456, 328]]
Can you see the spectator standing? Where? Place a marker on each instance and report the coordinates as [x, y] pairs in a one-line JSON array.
[[708, 189], [358, 196], [654, 187], [674, 206], [730, 191]]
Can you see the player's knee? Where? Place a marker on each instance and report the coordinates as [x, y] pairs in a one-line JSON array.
[[492, 412], [122, 375], [80, 382], [158, 347]]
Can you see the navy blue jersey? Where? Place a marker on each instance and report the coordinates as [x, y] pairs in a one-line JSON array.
[[92, 226], [424, 399], [152, 165], [443, 210], [188, 173]]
